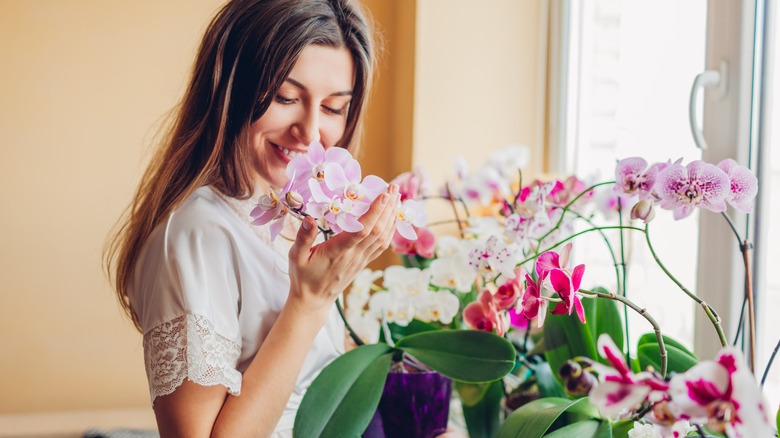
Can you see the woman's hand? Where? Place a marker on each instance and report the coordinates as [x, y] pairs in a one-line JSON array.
[[320, 273]]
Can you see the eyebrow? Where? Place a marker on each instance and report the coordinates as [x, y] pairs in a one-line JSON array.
[[303, 87]]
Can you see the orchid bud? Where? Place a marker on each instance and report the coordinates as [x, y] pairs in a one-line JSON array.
[[294, 200], [643, 210]]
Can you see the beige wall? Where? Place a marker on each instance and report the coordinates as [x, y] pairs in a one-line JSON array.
[[83, 84]]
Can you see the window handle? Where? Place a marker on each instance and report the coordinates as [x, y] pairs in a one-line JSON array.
[[710, 79]]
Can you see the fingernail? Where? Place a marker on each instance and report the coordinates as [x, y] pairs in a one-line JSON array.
[[385, 198], [306, 225]]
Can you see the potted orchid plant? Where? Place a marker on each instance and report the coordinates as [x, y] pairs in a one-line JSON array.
[[507, 271]]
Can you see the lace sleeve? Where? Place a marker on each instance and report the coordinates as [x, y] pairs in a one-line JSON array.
[[188, 347]]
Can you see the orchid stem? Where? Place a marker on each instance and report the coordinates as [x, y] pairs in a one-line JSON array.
[[355, 338], [624, 290], [733, 227], [562, 241], [567, 206], [769, 364], [745, 248], [713, 316], [642, 312]]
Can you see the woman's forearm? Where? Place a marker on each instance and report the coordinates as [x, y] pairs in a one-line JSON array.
[[271, 377]]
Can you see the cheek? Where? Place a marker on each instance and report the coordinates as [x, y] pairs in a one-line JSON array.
[[331, 131]]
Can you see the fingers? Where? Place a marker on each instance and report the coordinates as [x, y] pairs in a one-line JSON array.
[[381, 209], [307, 233]]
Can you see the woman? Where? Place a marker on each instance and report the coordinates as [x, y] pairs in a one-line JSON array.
[[236, 326]]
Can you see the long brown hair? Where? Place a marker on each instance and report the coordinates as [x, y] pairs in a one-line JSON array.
[[246, 54]]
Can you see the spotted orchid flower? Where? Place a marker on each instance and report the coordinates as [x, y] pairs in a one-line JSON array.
[[632, 177], [698, 184], [493, 258], [619, 390], [743, 185], [723, 394]]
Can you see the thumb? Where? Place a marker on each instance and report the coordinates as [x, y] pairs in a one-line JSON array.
[[304, 240]]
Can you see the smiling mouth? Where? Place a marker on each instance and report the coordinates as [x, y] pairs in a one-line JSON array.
[[289, 153]]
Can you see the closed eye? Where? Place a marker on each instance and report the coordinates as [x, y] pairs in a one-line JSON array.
[[284, 101], [334, 111]]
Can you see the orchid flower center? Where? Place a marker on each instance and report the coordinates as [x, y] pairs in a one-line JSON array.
[[692, 193], [352, 191], [319, 172]]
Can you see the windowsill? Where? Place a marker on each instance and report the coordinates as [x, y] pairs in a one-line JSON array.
[[74, 423]]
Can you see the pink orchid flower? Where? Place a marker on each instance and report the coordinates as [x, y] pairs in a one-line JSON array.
[[550, 260], [311, 166], [271, 208], [517, 319], [424, 246], [341, 213], [410, 214], [482, 315], [411, 185], [723, 394], [743, 185], [619, 390], [632, 177], [508, 293], [698, 184], [533, 305]]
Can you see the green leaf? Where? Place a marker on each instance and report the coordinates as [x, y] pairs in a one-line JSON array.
[[343, 398], [548, 384], [603, 316], [678, 360], [565, 338], [398, 332], [483, 418], [470, 393], [620, 429], [582, 429], [649, 338], [533, 419], [777, 420], [466, 355]]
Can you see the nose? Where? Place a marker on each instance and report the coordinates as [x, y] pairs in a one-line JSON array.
[[307, 128]]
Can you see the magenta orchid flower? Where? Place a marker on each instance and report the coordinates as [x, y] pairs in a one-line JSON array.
[[533, 305], [723, 394], [698, 184], [567, 286], [743, 185], [550, 260], [632, 177], [619, 390]]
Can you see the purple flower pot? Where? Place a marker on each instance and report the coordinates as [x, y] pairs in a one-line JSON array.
[[413, 405]]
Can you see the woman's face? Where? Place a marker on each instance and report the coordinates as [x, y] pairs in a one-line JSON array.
[[311, 105]]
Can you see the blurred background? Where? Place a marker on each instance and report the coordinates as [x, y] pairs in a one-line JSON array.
[[85, 85]]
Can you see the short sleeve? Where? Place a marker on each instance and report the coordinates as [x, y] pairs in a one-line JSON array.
[[186, 294]]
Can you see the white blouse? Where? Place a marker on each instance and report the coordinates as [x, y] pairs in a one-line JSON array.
[[207, 287]]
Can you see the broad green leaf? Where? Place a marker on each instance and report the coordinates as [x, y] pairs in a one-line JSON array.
[[399, 332], [565, 338], [342, 399], [470, 393], [548, 384], [466, 355], [483, 418], [533, 419], [678, 360], [649, 338], [604, 430], [620, 429], [581, 429], [603, 316]]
